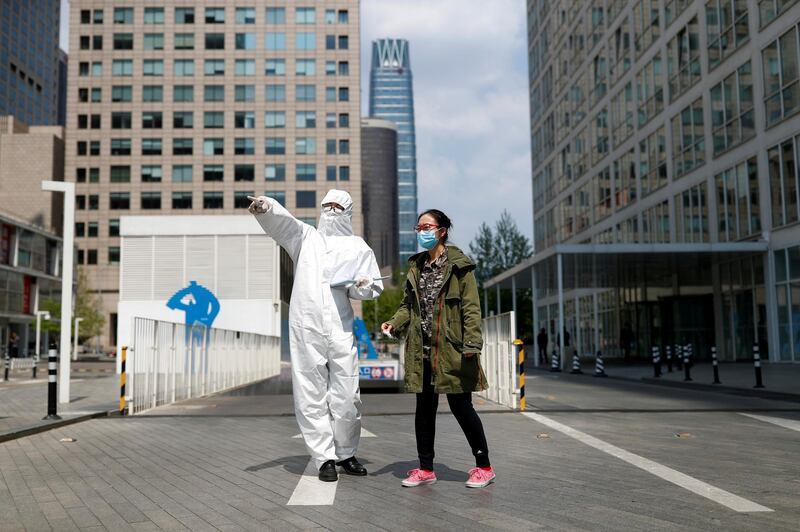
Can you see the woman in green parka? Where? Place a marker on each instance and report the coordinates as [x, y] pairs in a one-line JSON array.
[[441, 319]]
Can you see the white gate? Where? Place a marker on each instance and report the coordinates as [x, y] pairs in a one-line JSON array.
[[169, 362], [499, 359]]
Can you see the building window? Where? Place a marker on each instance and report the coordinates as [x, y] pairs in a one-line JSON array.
[[275, 40], [691, 215], [184, 15], [306, 120], [781, 78], [245, 67], [653, 162], [600, 146], [275, 172], [212, 200], [183, 67], [344, 94], [274, 119], [280, 197], [214, 119], [305, 15], [182, 146], [182, 173], [184, 41], [183, 119], [344, 42], [151, 200], [738, 201], [330, 173], [152, 93], [276, 15], [726, 21], [154, 15], [215, 41], [344, 147], [91, 256], [152, 120], [80, 229], [92, 229], [123, 15], [123, 41], [673, 8], [306, 172], [215, 15], [113, 227], [622, 108], [344, 68], [119, 200], [214, 67], [305, 145], [153, 67], [602, 194], [214, 93], [624, 180], [181, 200], [245, 15], [122, 67], [245, 93], [151, 147], [732, 110], [305, 67], [240, 200], [244, 172], [306, 199], [769, 10], [688, 141], [649, 85], [306, 93], [784, 181], [94, 147], [245, 41], [275, 146], [683, 60], [121, 93], [344, 120], [120, 174], [646, 24], [153, 41], [275, 93], [330, 147], [120, 146], [305, 41], [213, 172], [655, 224], [275, 67], [113, 255], [151, 173], [183, 93], [244, 146], [330, 94], [214, 146], [344, 173]]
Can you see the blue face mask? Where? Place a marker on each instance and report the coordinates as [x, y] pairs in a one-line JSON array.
[[427, 239]]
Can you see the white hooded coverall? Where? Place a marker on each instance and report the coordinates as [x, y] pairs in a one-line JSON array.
[[324, 357]]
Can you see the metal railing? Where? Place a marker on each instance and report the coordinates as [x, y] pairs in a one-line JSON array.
[[169, 362], [499, 359]]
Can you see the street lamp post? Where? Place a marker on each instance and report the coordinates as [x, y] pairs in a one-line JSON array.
[[39, 315], [66, 282], [75, 352]]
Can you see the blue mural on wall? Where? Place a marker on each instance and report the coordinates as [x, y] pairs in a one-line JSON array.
[[200, 305]]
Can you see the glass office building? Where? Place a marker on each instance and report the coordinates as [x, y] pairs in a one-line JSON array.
[[665, 152], [29, 60], [391, 97]]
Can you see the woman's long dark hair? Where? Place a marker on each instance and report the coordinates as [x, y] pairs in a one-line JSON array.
[[442, 220]]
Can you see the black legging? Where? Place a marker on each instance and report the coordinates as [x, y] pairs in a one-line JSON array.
[[425, 422]]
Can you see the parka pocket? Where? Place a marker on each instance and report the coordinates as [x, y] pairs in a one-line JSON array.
[[454, 328]]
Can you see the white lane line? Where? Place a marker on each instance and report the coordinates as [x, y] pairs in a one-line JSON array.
[[364, 434], [790, 424], [720, 496], [311, 491]]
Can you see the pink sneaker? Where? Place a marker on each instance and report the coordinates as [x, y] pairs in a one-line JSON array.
[[480, 478], [418, 477]]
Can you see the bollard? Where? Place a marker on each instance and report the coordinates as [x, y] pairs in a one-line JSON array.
[[52, 390], [520, 358], [757, 366], [599, 367], [35, 363], [678, 357], [656, 362], [669, 358], [687, 376], [555, 362], [576, 363], [122, 379], [7, 365], [715, 364]]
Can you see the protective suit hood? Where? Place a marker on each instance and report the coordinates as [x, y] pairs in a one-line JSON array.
[[337, 224]]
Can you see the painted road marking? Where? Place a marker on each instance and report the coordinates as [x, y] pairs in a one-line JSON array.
[[311, 491], [790, 424], [720, 496], [364, 434]]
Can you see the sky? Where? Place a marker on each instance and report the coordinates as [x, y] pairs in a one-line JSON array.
[[469, 61]]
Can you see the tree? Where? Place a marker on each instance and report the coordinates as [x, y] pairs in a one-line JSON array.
[[87, 306], [496, 251], [386, 304]]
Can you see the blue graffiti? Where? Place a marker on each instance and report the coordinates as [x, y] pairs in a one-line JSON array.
[[199, 304]]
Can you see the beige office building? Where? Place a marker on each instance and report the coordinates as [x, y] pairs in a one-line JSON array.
[[187, 107]]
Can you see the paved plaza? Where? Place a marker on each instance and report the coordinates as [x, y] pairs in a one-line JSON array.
[[598, 455]]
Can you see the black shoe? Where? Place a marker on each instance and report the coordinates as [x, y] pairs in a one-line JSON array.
[[327, 473], [351, 466]]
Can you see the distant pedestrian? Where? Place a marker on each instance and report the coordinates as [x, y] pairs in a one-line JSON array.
[[626, 341], [13, 345], [541, 342], [440, 316]]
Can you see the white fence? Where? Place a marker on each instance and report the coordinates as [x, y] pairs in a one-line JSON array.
[[168, 362], [499, 359]]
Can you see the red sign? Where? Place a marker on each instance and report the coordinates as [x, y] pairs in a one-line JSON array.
[[5, 244], [26, 295]]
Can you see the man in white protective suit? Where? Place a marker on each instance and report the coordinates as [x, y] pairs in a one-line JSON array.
[[327, 401]]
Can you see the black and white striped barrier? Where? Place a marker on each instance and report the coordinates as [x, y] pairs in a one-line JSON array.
[[576, 363], [599, 367], [656, 362], [7, 367], [668, 349], [715, 363], [757, 366], [555, 362], [687, 368], [678, 357], [52, 390]]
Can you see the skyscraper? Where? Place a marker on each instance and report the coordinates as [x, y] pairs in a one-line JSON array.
[[379, 182], [391, 97], [188, 107], [665, 175], [29, 58]]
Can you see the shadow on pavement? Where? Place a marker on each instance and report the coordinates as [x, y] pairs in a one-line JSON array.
[[400, 470]]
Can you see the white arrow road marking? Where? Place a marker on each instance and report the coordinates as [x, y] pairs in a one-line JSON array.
[[311, 491], [790, 424], [720, 496], [364, 434]]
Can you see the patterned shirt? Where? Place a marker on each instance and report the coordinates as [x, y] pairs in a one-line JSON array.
[[430, 284]]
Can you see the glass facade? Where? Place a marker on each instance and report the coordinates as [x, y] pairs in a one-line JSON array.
[[392, 98]]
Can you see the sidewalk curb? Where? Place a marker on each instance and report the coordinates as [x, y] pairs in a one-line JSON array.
[[44, 427]]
